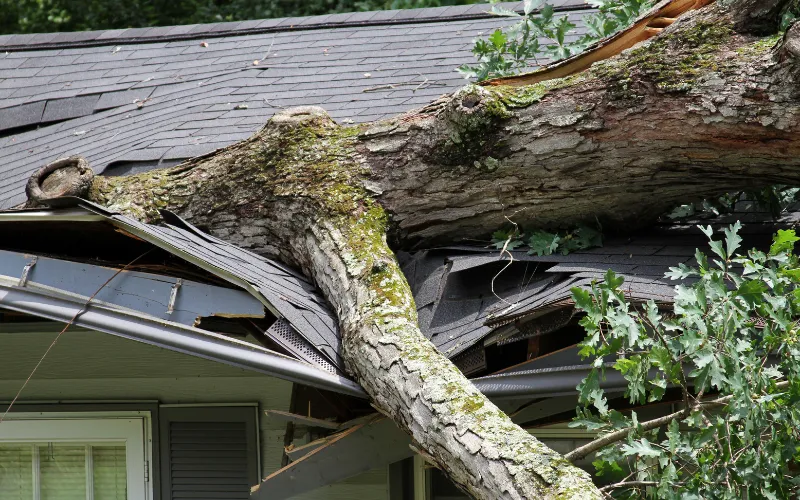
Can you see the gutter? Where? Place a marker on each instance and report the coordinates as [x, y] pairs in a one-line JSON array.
[[545, 382], [175, 337]]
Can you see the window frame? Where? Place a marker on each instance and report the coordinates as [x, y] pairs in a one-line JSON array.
[[132, 428]]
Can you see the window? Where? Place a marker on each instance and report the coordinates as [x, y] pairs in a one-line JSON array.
[[72, 459]]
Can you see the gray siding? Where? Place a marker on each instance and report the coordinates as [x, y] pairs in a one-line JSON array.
[[94, 367]]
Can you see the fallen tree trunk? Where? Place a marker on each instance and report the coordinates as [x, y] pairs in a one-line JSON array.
[[699, 110]]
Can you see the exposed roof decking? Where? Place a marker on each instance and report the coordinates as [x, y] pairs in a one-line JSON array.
[[195, 99]]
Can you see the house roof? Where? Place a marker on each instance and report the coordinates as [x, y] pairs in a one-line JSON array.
[[130, 100]]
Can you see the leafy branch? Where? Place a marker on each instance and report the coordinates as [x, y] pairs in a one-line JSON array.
[[515, 49], [734, 332]]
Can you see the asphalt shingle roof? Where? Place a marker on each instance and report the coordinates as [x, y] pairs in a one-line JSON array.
[[160, 95]]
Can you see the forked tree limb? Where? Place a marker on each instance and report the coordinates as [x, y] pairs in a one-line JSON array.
[[698, 110], [619, 435]]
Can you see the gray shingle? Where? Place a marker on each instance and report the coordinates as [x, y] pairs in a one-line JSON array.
[[73, 107], [120, 98], [20, 116]]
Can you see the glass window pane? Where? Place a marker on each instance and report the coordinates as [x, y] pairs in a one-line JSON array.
[[16, 472], [110, 478], [62, 472]]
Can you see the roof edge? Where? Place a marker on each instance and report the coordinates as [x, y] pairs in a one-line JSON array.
[[78, 39]]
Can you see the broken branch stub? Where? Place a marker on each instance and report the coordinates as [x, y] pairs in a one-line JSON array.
[[791, 42], [65, 177]]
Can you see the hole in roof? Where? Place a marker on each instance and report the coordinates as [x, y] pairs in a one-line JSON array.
[[18, 130]]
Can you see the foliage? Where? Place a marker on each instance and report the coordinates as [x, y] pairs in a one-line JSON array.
[[541, 242], [510, 51], [735, 334], [773, 199], [32, 16]]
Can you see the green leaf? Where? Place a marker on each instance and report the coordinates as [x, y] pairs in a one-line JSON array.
[[681, 272], [783, 241], [612, 280], [543, 243], [642, 448], [583, 299], [732, 238], [607, 469], [498, 39], [589, 392], [707, 230], [531, 5], [752, 291], [588, 237], [717, 248]]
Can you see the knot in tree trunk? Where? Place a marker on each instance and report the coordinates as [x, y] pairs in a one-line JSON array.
[[300, 116], [467, 128]]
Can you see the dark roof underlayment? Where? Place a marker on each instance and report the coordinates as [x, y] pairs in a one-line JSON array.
[[131, 100]]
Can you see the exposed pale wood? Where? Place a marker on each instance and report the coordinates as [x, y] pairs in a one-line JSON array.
[[301, 420], [662, 22], [638, 32], [348, 453], [297, 452]]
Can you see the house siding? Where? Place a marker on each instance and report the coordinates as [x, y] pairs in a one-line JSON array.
[[92, 367]]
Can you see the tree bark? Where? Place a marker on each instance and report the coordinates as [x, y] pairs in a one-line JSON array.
[[699, 110]]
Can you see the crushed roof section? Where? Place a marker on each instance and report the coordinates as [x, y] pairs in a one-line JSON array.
[[133, 100], [284, 291], [465, 293]]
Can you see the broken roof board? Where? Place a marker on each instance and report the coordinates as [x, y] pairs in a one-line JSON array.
[[467, 317], [147, 293], [136, 99], [286, 293]]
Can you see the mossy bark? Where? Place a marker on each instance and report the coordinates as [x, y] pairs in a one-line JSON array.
[[699, 110]]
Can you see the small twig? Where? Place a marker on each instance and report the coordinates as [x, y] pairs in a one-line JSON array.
[[505, 250], [69, 323], [628, 484], [424, 84], [268, 103]]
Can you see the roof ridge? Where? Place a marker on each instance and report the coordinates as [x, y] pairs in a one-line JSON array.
[[41, 41]]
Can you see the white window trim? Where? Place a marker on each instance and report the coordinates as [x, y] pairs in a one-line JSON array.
[[132, 428]]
